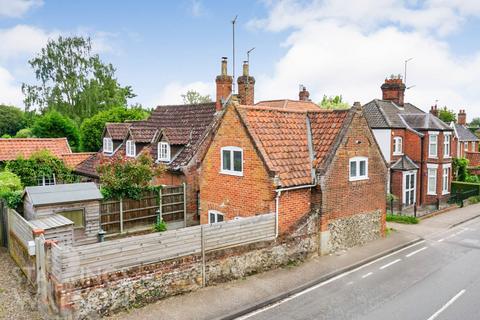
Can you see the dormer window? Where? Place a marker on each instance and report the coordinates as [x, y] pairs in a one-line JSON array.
[[397, 146], [131, 152], [107, 145], [163, 151]]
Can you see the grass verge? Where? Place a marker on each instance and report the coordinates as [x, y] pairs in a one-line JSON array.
[[402, 219]]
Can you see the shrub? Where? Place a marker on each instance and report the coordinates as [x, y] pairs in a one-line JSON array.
[[402, 219], [24, 133], [11, 189], [474, 199], [55, 125], [160, 226]]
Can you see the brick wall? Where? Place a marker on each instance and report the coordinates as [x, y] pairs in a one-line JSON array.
[[293, 206], [246, 195], [473, 158]]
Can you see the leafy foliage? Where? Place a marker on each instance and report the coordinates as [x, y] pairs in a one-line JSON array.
[[194, 97], [24, 133], [92, 129], [446, 115], [127, 178], [402, 219], [73, 80], [54, 125], [333, 103], [160, 226], [41, 163], [475, 122], [460, 171], [11, 189], [12, 120]]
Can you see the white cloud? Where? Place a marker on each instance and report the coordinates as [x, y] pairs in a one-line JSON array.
[[23, 40], [10, 92], [172, 92], [331, 55], [17, 8]]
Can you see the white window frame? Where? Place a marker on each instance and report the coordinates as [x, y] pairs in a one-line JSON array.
[[446, 178], [473, 147], [406, 188], [231, 171], [131, 149], [431, 142], [447, 144], [465, 146], [357, 176], [107, 145], [161, 156], [397, 146], [432, 172], [216, 214], [41, 181]]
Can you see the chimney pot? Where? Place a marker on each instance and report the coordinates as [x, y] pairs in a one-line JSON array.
[[462, 117], [224, 85], [246, 86], [393, 89], [303, 95], [245, 68]]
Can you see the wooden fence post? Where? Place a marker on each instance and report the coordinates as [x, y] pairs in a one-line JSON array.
[[185, 204], [203, 255], [40, 259], [121, 215], [160, 209]]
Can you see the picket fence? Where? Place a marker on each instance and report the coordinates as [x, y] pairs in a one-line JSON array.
[[73, 263]]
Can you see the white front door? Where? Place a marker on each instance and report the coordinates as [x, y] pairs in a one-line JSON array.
[[409, 187]]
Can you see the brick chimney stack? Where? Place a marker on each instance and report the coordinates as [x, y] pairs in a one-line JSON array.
[[434, 110], [303, 95], [394, 90], [224, 85], [462, 117], [246, 86]]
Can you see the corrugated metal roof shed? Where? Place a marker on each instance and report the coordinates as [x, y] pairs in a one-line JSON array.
[[50, 222], [63, 193]]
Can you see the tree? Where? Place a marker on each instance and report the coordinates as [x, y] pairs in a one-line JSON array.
[[11, 188], [193, 97], [446, 115], [333, 103], [41, 163], [73, 80], [475, 123], [12, 119], [55, 125], [24, 133], [92, 129], [127, 178]]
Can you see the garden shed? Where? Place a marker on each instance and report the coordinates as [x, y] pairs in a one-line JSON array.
[[78, 203]]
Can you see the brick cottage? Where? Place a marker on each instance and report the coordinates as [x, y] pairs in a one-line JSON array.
[[292, 158], [417, 146]]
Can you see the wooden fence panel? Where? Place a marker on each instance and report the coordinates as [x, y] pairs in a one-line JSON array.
[[89, 260], [20, 227]]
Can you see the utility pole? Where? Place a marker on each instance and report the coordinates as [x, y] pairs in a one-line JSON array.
[[405, 73], [233, 49]]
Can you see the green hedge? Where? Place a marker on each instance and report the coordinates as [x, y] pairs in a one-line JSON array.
[[458, 186], [402, 219]]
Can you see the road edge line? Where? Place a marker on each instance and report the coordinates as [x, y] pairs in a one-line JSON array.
[[464, 221], [310, 284]]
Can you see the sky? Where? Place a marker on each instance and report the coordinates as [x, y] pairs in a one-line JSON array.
[[164, 48]]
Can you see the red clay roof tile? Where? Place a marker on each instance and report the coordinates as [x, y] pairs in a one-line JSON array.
[[11, 149]]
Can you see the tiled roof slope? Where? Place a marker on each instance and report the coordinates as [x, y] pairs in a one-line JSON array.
[[88, 167], [117, 131], [10, 149], [286, 104], [386, 114], [464, 134], [404, 164], [142, 134], [71, 160], [281, 137], [425, 121]]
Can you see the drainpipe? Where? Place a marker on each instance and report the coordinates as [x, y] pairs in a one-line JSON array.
[[421, 170], [277, 201]]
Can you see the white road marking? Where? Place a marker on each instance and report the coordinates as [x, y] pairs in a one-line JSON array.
[[415, 252], [389, 264], [446, 305], [367, 275], [441, 240], [321, 284]]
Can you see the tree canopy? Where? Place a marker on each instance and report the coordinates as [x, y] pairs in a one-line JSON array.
[[10, 188], [55, 125], [92, 129], [333, 103], [73, 80], [475, 122], [12, 119], [194, 97], [446, 115]]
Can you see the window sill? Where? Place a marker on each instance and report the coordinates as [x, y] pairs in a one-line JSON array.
[[163, 161], [232, 173], [397, 154], [130, 156], [445, 193], [432, 157], [431, 194], [358, 179]]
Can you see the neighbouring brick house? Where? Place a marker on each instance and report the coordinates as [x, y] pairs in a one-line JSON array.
[[11, 149], [417, 145], [174, 135], [466, 142], [291, 158]]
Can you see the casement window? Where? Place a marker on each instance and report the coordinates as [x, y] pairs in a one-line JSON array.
[[465, 145], [163, 152], [409, 187], [215, 216], [358, 168], [432, 179], [131, 151], [76, 216], [46, 180], [107, 145], [232, 161], [473, 147], [433, 145], [397, 146], [446, 145], [445, 179]]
